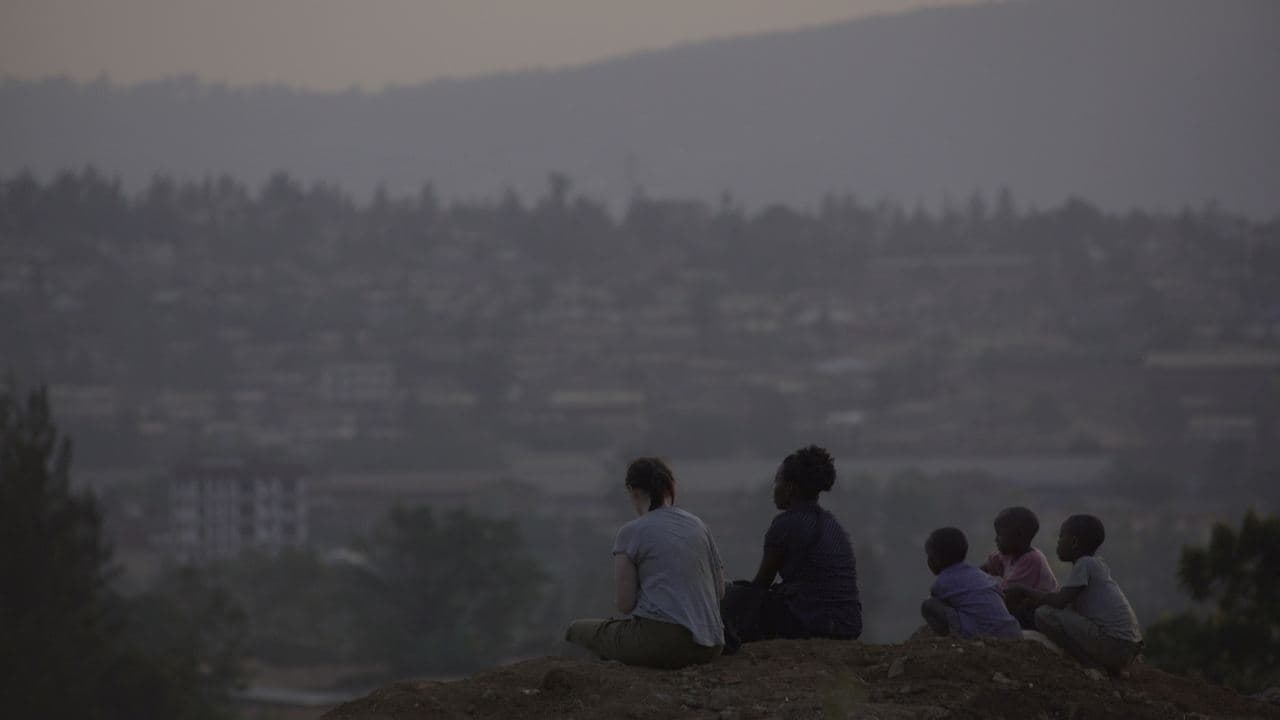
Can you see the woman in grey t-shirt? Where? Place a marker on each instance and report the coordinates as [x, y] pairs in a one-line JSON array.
[[668, 581]]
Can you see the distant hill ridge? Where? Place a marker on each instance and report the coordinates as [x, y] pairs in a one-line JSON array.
[[1151, 103]]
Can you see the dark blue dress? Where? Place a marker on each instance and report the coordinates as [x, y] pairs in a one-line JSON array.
[[819, 573]]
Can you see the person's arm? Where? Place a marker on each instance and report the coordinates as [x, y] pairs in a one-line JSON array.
[[717, 566], [993, 565], [1034, 598], [770, 564], [626, 581]]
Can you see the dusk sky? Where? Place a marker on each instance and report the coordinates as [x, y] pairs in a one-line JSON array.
[[335, 44]]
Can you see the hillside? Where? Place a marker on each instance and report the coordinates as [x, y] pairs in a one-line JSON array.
[[924, 678], [1155, 103]]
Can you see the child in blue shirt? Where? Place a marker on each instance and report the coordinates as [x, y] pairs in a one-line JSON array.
[[964, 601]]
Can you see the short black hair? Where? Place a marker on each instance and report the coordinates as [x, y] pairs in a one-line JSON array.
[[948, 545], [1088, 530], [809, 470], [1020, 520], [652, 476]]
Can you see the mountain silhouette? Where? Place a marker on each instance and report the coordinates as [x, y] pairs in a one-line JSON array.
[[1150, 103]]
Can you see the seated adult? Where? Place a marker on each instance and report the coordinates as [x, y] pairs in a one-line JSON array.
[[668, 579], [808, 548]]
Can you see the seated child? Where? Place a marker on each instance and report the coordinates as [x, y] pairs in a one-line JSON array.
[[1015, 562], [965, 602], [1090, 616]]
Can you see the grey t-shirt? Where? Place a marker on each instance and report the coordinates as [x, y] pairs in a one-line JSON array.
[[1102, 600], [676, 560]]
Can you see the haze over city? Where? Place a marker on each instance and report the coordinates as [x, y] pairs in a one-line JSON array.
[[353, 318]]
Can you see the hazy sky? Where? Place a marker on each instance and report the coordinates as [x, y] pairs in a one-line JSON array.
[[328, 44]]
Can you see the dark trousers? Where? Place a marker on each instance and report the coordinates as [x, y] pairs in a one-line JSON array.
[[942, 618], [1026, 617], [752, 613], [1084, 640]]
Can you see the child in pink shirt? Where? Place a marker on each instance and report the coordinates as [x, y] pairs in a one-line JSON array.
[[1015, 562]]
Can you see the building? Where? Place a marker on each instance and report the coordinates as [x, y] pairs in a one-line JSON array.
[[220, 508], [1219, 394]]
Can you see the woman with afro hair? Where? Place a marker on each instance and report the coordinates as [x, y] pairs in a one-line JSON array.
[[810, 550]]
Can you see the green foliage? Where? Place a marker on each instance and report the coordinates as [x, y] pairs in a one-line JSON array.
[[425, 595], [451, 593], [55, 635], [579, 577], [1234, 638], [185, 615], [183, 645], [69, 645], [300, 610]]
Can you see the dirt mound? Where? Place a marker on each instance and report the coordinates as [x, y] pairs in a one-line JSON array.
[[923, 678]]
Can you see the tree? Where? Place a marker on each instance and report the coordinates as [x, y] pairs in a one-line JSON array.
[[56, 637], [1233, 637], [70, 646], [300, 608], [451, 593], [182, 651]]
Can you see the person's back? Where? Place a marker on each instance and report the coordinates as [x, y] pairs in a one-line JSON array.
[[810, 550], [819, 572], [964, 601], [676, 563], [976, 598], [668, 580], [1089, 616], [1101, 600]]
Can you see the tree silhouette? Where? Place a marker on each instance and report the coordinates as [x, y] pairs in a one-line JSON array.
[[448, 593], [1234, 638], [56, 636], [69, 645]]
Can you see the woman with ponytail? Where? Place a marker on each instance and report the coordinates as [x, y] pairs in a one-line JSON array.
[[807, 546], [668, 581]]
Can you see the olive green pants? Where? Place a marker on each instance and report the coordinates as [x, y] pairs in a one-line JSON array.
[[641, 641]]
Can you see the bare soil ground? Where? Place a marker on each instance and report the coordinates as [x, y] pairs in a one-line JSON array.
[[926, 677]]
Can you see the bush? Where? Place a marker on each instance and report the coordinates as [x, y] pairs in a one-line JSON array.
[[1233, 637]]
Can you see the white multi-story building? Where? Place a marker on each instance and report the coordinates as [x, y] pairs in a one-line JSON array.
[[220, 508]]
